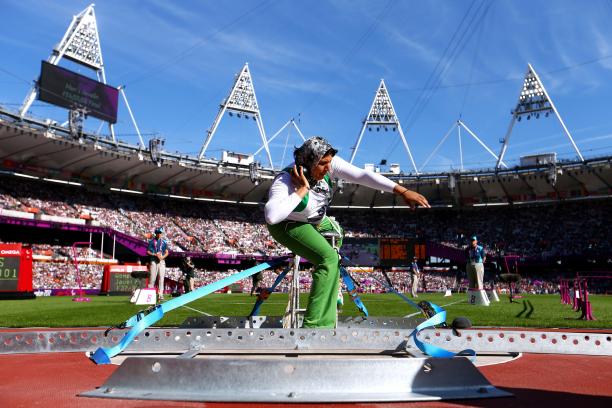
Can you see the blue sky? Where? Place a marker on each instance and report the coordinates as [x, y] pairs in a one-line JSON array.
[[321, 61]]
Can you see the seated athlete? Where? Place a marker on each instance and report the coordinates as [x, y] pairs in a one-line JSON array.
[[296, 216]]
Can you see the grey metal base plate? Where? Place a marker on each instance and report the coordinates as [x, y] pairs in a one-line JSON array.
[[313, 378]]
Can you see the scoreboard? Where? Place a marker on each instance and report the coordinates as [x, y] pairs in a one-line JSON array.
[[15, 271], [118, 280], [9, 273], [396, 251]]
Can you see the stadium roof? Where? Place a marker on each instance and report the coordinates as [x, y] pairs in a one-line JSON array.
[[45, 149]]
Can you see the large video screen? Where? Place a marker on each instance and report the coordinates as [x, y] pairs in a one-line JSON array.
[[396, 252], [361, 251], [68, 89]]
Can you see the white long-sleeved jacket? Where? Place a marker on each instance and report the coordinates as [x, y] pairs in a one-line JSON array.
[[283, 201]]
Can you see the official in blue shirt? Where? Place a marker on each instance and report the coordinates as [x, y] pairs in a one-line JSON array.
[[476, 258], [158, 252]]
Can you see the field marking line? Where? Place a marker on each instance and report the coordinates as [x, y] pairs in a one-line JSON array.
[[196, 310], [448, 304]]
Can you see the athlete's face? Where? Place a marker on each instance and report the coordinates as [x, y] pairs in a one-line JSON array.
[[322, 167]]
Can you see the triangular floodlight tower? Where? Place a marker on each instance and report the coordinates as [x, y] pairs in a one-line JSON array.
[[290, 122], [459, 124], [382, 113], [80, 44], [242, 101], [533, 100]]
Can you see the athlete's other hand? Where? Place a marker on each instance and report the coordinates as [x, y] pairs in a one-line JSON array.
[[300, 182]]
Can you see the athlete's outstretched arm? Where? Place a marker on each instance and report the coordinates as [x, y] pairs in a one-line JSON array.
[[346, 171]]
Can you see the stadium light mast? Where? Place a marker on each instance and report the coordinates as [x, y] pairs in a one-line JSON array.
[[382, 113], [80, 44], [459, 124], [532, 101], [242, 101]]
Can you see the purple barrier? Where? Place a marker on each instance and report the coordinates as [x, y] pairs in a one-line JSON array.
[[65, 292], [445, 251]]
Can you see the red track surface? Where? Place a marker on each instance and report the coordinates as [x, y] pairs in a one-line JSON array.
[[536, 380]]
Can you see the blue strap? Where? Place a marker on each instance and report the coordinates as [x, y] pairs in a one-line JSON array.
[[391, 289], [260, 299], [350, 287], [438, 318], [141, 321], [430, 349]]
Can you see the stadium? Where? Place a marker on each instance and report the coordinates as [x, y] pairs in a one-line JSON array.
[[79, 210]]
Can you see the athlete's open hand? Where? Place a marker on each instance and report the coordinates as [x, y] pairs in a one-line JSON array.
[[414, 199], [299, 180]]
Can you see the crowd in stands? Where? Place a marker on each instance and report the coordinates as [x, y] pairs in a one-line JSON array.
[[549, 231], [54, 269], [189, 226], [52, 275], [553, 230], [577, 228]]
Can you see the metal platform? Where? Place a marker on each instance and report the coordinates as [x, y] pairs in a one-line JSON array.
[[262, 378]]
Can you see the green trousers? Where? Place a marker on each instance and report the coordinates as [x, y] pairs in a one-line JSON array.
[[305, 240]]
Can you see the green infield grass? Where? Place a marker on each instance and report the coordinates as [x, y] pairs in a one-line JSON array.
[[60, 311]]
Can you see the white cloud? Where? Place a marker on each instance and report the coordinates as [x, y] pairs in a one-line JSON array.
[[604, 47], [416, 47]]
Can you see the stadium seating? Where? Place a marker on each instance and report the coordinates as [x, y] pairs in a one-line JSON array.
[[572, 228], [546, 231]]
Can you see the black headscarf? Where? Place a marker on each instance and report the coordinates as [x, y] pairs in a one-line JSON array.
[[310, 152]]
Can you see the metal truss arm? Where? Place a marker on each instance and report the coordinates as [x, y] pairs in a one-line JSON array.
[[554, 108], [506, 141], [463, 125], [262, 133], [298, 130], [567, 132], [54, 58], [211, 132], [363, 128], [438, 146], [460, 148], [273, 137], [289, 122], [122, 90], [401, 132]]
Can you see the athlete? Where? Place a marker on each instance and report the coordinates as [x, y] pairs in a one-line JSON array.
[[296, 216]]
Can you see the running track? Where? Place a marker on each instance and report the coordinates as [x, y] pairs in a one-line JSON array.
[[536, 380]]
